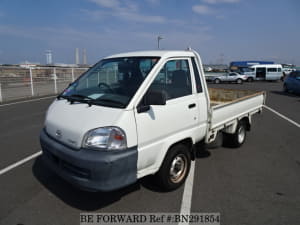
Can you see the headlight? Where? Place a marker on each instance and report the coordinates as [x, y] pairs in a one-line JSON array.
[[112, 138]]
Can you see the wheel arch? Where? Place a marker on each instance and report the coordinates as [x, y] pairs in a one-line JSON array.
[[187, 142], [247, 121]]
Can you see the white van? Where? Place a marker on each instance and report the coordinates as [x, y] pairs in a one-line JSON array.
[[266, 72]]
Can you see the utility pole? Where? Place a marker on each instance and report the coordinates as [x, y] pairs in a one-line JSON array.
[[76, 56], [84, 61], [158, 40]]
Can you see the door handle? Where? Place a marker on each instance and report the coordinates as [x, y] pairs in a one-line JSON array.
[[192, 105]]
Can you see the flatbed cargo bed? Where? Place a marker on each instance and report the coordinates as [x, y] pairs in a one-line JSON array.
[[228, 106], [220, 96]]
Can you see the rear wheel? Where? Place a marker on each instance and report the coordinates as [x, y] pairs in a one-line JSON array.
[[250, 79], [175, 168], [217, 81], [238, 138]]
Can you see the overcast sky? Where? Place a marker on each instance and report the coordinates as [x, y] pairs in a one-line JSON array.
[[220, 30]]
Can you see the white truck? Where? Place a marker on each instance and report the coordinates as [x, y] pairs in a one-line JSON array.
[[137, 114]]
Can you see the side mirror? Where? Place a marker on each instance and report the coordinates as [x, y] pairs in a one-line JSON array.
[[152, 98], [155, 98]]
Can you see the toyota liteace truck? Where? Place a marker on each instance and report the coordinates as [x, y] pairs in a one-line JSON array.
[[137, 114]]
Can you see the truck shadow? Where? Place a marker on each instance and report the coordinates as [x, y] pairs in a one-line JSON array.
[[201, 150], [90, 201], [73, 196], [83, 200]]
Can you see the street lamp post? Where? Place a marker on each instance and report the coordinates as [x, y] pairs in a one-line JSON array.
[[158, 40]]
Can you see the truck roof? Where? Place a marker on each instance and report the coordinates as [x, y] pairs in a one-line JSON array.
[[155, 53]]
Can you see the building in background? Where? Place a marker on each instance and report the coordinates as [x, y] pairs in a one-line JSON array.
[[49, 57]]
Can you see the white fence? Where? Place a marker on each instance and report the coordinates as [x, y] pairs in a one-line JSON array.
[[18, 83]]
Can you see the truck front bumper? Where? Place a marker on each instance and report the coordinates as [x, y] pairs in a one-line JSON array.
[[91, 170]]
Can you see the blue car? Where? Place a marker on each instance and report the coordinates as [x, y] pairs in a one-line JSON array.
[[292, 82]]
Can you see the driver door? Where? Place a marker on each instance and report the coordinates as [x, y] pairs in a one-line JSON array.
[[164, 122]]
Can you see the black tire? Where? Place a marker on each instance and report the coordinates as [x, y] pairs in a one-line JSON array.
[[238, 138], [217, 81], [250, 79], [239, 81], [177, 158]]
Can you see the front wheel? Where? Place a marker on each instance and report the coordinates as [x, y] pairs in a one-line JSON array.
[[217, 81], [175, 168], [239, 81]]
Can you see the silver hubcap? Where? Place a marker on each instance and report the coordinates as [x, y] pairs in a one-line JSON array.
[[178, 168], [241, 134]]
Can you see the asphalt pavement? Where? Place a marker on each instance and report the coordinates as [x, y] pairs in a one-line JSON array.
[[258, 183]]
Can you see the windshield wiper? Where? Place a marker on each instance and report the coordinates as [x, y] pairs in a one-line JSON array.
[[77, 98], [81, 96], [60, 96], [90, 101], [120, 104]]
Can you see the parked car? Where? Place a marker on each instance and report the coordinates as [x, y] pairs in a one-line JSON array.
[[285, 72], [292, 82], [228, 77]]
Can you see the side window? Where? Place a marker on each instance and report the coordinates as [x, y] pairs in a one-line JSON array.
[[174, 78], [197, 76], [279, 69], [272, 69]]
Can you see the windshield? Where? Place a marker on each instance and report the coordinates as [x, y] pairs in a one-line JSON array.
[[111, 82]]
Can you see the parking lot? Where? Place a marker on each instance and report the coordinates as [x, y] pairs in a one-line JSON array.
[[258, 183]]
